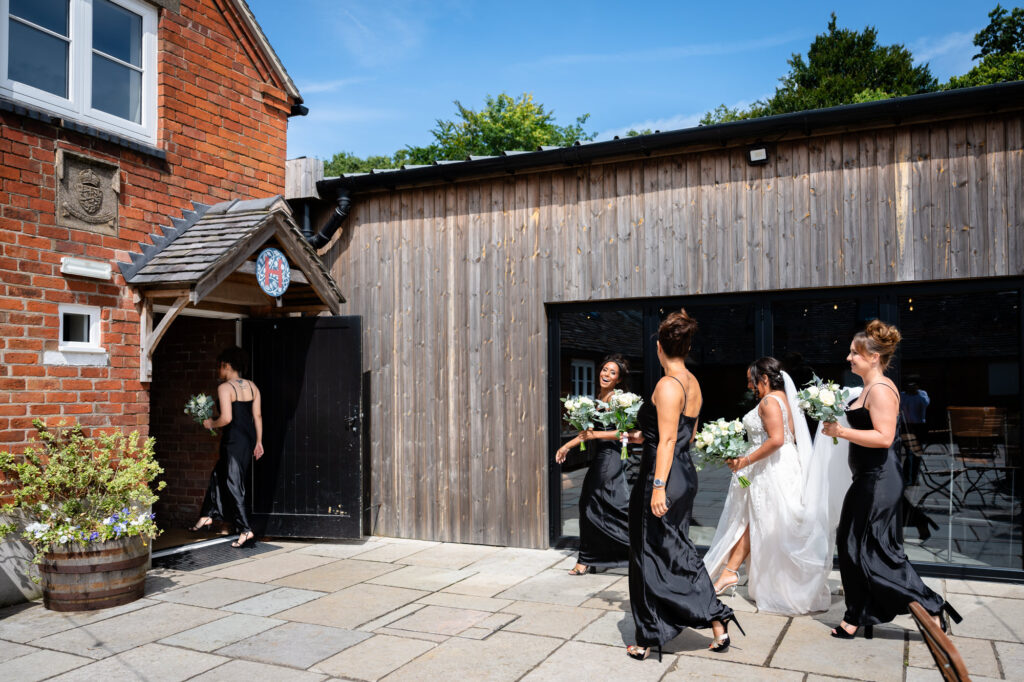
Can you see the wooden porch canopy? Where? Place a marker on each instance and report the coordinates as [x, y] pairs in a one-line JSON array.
[[207, 261]]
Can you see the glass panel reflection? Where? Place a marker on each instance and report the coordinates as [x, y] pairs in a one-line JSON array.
[[50, 14], [116, 89], [38, 59], [117, 32], [586, 338]]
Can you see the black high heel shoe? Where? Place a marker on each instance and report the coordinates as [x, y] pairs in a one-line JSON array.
[[721, 644], [943, 610], [839, 632], [200, 526], [633, 651], [248, 542]]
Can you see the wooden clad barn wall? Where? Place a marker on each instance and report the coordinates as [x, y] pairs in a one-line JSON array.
[[451, 281]]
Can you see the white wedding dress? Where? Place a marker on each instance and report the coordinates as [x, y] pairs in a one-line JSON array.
[[787, 508]]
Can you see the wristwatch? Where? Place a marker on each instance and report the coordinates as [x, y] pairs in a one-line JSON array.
[[658, 483]]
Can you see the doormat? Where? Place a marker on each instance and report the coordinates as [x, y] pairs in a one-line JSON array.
[[192, 559]]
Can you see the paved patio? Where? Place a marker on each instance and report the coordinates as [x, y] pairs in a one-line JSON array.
[[408, 610]]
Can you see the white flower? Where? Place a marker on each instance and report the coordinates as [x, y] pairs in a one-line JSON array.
[[37, 528], [812, 391], [707, 437], [804, 405], [828, 398], [737, 427]]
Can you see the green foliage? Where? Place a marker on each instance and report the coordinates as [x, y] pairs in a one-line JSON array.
[[77, 489], [504, 124], [638, 133], [843, 66], [1004, 34], [1001, 53]]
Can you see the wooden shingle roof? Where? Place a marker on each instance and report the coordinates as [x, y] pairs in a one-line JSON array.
[[210, 243]]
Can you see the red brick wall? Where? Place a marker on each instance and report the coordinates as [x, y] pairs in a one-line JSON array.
[[185, 363], [224, 131]]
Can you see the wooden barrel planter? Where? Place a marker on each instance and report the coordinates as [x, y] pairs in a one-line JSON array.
[[80, 577]]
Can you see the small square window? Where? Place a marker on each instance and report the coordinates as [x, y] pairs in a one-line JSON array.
[[79, 328]]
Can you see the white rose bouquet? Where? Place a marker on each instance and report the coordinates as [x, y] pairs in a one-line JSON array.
[[580, 412], [721, 440], [620, 412], [200, 408], [824, 401]]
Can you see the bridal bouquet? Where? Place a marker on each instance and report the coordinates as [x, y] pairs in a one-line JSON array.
[[200, 408], [719, 441], [620, 412], [824, 401], [580, 412]]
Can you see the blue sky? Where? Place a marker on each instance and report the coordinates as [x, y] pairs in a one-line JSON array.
[[376, 75]]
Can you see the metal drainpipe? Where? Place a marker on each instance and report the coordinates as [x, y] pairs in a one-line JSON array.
[[338, 215]]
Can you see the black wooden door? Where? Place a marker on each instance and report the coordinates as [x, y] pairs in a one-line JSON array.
[[309, 482]]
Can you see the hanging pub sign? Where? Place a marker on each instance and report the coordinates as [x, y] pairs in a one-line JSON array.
[[273, 272]]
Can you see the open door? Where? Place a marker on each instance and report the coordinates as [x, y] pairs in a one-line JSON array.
[[309, 482]]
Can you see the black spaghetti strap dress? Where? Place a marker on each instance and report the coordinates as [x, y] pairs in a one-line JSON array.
[[878, 580], [669, 587], [225, 495], [604, 509]]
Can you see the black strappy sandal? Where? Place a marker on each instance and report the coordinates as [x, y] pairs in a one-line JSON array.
[[586, 569], [248, 542], [199, 526], [839, 632], [721, 644], [633, 651]]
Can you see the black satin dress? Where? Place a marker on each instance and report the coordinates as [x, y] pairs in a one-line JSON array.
[[604, 509], [669, 587], [225, 495], [878, 580]]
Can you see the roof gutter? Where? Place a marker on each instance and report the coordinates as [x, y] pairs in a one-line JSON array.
[[946, 104]]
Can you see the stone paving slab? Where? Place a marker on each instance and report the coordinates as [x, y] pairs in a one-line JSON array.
[[393, 551], [390, 617], [976, 587], [162, 580], [374, 658], [933, 675], [989, 618], [214, 593], [298, 645], [755, 648], [352, 606], [721, 668], [39, 665], [807, 646], [614, 597], [251, 671], [26, 622], [152, 662], [463, 601], [516, 561], [269, 603], [558, 587], [505, 656], [440, 620], [449, 555], [9, 650], [272, 568], [128, 631], [978, 653], [221, 633], [583, 661], [550, 620], [487, 584], [426, 578], [1011, 657], [336, 575], [340, 550]]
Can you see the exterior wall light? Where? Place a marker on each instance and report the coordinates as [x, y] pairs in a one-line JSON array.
[[757, 156], [83, 267]]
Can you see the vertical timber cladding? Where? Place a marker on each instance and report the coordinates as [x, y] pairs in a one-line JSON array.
[[451, 281]]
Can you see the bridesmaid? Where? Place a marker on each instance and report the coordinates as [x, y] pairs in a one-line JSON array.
[[669, 587], [604, 498], [878, 580]]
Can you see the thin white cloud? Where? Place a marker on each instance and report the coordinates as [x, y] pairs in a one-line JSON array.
[[314, 87], [376, 35], [946, 55], [663, 54], [677, 122]]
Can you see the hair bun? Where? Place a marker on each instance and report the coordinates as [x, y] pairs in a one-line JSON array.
[[676, 333], [885, 335]]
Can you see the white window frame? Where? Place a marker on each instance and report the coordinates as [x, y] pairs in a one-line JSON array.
[[580, 379], [93, 345], [78, 105]]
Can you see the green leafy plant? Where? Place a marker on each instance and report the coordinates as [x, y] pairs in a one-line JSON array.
[[71, 488]]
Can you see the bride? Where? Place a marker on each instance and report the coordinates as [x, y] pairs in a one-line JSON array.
[[782, 521]]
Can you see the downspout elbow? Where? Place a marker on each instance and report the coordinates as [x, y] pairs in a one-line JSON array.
[[338, 215]]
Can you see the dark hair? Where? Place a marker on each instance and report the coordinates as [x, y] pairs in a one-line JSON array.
[[623, 365], [235, 357], [767, 367], [675, 333], [880, 338]]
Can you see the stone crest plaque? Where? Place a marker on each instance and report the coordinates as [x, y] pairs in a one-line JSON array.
[[87, 193]]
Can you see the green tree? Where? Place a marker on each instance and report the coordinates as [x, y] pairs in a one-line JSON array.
[[1001, 51], [503, 124], [843, 66], [346, 162]]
